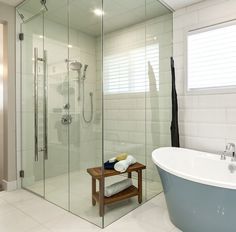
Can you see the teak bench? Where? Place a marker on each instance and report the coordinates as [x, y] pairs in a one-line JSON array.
[[99, 174]]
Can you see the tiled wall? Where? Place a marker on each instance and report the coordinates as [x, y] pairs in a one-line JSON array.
[[207, 121], [138, 123]]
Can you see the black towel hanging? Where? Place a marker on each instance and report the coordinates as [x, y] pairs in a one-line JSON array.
[[174, 122]]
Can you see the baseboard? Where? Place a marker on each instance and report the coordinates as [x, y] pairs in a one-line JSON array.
[[9, 185]]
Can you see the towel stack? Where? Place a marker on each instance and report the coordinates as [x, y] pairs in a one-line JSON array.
[[120, 163]]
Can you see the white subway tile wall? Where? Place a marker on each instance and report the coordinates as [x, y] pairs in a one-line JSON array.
[[138, 123], [207, 121]]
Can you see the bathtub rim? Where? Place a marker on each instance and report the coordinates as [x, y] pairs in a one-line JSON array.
[[205, 181]]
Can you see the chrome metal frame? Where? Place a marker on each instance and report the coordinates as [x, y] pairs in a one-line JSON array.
[[36, 156], [45, 97], [45, 106]]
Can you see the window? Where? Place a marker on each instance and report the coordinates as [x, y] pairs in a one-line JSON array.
[[126, 72], [212, 58]]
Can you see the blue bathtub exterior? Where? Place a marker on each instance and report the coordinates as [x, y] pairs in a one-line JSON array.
[[195, 207]]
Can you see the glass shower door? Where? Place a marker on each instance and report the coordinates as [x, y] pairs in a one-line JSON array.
[[33, 105], [45, 102], [59, 117]]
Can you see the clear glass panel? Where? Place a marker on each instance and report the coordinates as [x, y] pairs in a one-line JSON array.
[[124, 93], [158, 88], [134, 49], [85, 105], [56, 45], [34, 169]]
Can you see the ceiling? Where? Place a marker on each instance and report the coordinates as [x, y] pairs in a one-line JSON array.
[[11, 2], [174, 4], [177, 4], [118, 13]]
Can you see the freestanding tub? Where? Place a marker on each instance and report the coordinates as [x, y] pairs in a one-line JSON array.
[[199, 188]]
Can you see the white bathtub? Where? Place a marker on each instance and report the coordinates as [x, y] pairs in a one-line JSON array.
[[200, 189]]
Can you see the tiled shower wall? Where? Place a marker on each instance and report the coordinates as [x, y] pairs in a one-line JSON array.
[[138, 123], [207, 121]]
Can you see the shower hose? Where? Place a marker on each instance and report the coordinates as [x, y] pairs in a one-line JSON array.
[[91, 104]]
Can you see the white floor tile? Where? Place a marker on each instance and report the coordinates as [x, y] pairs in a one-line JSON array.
[[159, 201], [39, 229], [24, 212], [18, 196], [145, 218], [15, 221], [176, 230], [40, 210], [70, 223], [5, 207]]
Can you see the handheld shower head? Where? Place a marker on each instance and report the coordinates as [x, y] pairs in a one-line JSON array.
[[84, 73], [85, 67]]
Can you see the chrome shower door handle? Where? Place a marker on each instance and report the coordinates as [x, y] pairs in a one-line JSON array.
[[36, 156], [45, 103]]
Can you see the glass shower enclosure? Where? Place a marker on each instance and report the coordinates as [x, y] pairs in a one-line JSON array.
[[95, 83]]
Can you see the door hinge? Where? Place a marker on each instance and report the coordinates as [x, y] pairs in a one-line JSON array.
[[21, 36], [22, 173]]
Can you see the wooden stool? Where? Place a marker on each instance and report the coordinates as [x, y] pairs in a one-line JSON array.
[[99, 173]]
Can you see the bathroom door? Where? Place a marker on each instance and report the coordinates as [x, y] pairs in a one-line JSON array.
[[33, 108]]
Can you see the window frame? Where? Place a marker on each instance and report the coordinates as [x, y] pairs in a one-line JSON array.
[[208, 90]]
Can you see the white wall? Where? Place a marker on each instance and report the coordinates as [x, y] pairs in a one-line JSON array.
[[7, 17], [207, 121]]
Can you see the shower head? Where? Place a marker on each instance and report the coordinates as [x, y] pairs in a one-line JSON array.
[[75, 66]]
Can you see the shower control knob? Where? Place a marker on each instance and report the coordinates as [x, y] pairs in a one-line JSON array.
[[66, 119]]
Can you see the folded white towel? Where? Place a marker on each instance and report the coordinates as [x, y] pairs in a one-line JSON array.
[[117, 187], [123, 165]]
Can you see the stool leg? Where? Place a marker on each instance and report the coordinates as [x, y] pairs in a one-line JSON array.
[[101, 196], [129, 175], [93, 191], [140, 186]]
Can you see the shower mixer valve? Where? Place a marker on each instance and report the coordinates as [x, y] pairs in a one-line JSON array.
[[66, 119]]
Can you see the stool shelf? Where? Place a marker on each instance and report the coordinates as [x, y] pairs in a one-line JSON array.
[[98, 173]]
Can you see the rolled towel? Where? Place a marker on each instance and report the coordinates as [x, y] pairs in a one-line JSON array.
[[117, 187], [123, 165], [121, 156]]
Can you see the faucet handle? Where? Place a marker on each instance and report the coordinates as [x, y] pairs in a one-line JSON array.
[[223, 156], [231, 147]]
